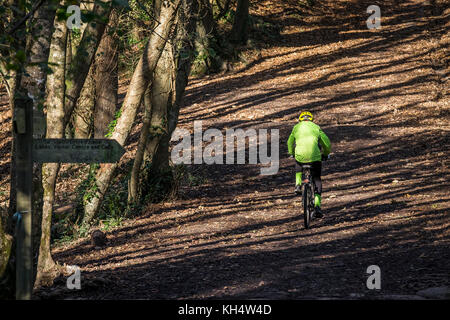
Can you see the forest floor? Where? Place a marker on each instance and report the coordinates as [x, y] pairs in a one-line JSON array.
[[381, 96]]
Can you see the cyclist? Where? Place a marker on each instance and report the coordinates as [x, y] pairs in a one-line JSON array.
[[311, 147]]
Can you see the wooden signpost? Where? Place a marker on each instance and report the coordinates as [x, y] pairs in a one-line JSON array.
[[77, 150], [29, 150]]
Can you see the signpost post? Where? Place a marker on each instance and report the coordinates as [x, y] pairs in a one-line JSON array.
[[31, 150], [23, 130]]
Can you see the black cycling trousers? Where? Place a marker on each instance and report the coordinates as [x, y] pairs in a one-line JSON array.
[[316, 172]]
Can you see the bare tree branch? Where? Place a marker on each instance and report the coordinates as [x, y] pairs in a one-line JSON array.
[[36, 6]]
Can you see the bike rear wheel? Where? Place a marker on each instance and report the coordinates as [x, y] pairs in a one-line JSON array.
[[306, 206]]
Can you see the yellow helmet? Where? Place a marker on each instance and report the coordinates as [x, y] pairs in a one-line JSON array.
[[306, 115]]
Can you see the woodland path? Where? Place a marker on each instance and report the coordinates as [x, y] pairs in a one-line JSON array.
[[386, 189]]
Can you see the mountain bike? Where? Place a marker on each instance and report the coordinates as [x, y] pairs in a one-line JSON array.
[[307, 195]]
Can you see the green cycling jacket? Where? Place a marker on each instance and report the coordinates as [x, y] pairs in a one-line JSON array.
[[307, 136]]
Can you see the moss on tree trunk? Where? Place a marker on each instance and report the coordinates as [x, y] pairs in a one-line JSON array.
[[5, 249]]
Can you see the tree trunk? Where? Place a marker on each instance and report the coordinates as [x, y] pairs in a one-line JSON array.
[[207, 39], [133, 184], [106, 78], [138, 85], [239, 32], [83, 58], [69, 50], [35, 76], [161, 93], [159, 124], [181, 71], [12, 183], [82, 122], [6, 241], [47, 269], [71, 45], [35, 81], [31, 83], [7, 280], [84, 110]]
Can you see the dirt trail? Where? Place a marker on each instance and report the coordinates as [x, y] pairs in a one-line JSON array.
[[386, 188]]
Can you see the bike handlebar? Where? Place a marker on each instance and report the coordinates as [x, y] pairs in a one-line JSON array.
[[324, 158]]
